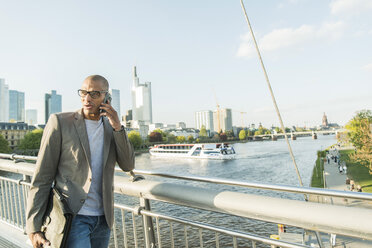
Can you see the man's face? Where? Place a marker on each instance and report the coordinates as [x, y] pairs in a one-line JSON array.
[[91, 105]]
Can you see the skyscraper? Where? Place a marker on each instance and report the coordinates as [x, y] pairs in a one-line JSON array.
[[141, 100], [16, 106], [225, 119], [204, 118], [115, 102], [53, 104], [4, 101], [31, 116]]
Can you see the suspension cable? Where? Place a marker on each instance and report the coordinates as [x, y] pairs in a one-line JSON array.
[[272, 94]]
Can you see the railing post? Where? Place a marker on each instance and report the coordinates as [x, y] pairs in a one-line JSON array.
[[148, 225], [26, 178]]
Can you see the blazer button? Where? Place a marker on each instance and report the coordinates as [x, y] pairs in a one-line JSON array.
[[90, 179], [82, 200]]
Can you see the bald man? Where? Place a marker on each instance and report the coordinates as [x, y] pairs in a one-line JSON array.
[[78, 152]]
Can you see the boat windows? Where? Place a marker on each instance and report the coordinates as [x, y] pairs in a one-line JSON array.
[[211, 152], [196, 152]]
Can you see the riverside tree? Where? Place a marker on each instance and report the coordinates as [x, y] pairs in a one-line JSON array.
[[4, 146], [163, 134], [155, 137], [135, 139], [203, 132], [32, 140], [359, 134], [171, 138], [357, 128], [230, 134], [249, 133], [223, 136], [181, 139], [190, 139], [242, 134]]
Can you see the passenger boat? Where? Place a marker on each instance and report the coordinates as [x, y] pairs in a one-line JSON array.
[[202, 151]]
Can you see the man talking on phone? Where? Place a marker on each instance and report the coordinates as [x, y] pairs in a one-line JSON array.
[[78, 153]]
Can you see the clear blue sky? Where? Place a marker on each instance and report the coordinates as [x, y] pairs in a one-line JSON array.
[[317, 53]]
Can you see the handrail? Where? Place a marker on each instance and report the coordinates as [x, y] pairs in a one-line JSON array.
[[337, 219], [276, 187], [26, 168], [14, 156], [342, 220]]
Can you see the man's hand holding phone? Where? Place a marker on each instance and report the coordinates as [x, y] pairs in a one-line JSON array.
[[111, 114]]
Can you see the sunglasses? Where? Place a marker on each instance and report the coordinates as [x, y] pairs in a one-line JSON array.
[[93, 94]]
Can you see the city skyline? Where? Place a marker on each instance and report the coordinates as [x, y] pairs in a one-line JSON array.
[[316, 53], [53, 104]]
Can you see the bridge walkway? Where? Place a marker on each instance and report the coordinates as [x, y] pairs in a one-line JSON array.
[[11, 237]]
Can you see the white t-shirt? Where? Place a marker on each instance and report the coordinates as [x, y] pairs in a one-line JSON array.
[[93, 205]]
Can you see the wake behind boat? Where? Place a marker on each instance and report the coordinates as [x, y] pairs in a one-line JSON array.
[[202, 151]]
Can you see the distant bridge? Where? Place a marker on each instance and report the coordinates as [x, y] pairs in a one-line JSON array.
[[294, 135]]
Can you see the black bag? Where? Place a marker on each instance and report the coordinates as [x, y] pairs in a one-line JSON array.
[[57, 220]]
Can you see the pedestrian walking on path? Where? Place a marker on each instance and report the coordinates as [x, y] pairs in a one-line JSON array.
[[359, 188], [352, 185]]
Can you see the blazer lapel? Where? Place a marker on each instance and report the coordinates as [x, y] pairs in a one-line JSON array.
[[81, 130], [107, 139]]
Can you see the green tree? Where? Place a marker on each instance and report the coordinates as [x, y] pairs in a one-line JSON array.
[[31, 140], [171, 138], [249, 133], [223, 136], [260, 131], [242, 135], [135, 139], [230, 134], [4, 146], [203, 131], [181, 139], [278, 130], [363, 155], [355, 127], [163, 134], [155, 137], [190, 139], [216, 138]]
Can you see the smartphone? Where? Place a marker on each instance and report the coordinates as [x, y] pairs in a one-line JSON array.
[[106, 100]]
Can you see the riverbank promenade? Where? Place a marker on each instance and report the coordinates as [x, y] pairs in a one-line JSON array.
[[334, 179]]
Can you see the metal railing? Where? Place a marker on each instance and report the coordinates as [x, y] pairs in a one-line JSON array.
[[137, 225], [274, 187], [13, 202]]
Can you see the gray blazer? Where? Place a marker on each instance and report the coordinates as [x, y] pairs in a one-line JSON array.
[[64, 158]]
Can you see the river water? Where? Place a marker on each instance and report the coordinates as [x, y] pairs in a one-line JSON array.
[[261, 161]]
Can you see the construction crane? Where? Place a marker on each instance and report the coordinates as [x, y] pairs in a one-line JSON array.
[[241, 116], [218, 113]]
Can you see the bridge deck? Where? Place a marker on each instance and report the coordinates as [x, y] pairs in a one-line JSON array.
[[11, 237]]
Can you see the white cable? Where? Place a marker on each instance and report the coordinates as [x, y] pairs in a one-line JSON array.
[[272, 94]]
